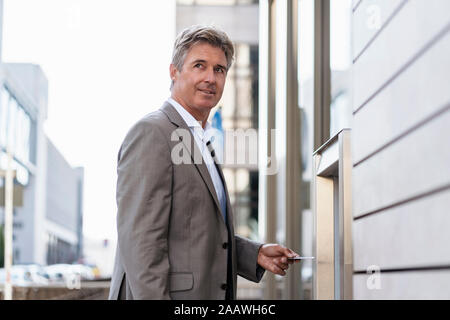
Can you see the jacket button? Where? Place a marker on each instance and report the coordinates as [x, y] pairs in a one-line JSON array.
[[225, 245], [223, 286]]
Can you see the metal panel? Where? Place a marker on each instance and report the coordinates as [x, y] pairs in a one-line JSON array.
[[405, 170], [405, 38], [345, 214], [322, 73], [417, 94], [413, 235], [431, 284], [332, 209], [324, 243], [356, 4], [369, 19]]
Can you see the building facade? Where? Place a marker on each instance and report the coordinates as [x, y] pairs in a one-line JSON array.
[[23, 107], [64, 212], [47, 226], [357, 93], [401, 172]]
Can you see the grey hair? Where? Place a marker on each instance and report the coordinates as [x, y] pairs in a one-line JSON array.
[[205, 34]]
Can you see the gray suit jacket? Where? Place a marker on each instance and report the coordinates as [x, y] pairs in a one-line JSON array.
[[172, 239]]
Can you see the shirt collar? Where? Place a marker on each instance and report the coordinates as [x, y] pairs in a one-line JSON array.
[[187, 117], [191, 122]]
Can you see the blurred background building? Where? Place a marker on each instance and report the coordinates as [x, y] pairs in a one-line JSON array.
[[48, 224], [64, 210]]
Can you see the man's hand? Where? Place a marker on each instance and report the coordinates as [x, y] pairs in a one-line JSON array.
[[274, 257]]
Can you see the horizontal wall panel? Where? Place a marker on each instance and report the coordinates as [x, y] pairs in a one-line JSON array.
[[415, 164], [355, 3], [418, 93], [368, 19], [415, 234], [433, 284], [411, 30]]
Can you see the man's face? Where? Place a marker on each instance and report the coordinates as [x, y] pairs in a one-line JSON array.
[[199, 85]]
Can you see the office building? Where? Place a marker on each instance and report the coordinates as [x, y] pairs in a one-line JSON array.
[[47, 226], [357, 91]]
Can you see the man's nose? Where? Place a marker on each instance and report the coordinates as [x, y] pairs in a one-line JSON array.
[[210, 76]]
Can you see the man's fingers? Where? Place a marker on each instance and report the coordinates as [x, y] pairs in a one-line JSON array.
[[277, 270], [281, 263], [289, 253]]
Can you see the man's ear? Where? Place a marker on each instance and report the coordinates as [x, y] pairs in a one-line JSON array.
[[173, 72]]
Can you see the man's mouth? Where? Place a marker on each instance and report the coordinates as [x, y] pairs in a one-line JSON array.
[[206, 91]]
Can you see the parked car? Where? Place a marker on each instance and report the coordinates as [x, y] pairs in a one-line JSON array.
[[20, 276], [34, 273], [58, 273]]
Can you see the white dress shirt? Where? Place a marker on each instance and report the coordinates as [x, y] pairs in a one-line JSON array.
[[201, 138]]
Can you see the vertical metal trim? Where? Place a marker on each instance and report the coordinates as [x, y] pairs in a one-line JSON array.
[[337, 220], [345, 214], [333, 217], [267, 89], [293, 159], [322, 73], [324, 236]]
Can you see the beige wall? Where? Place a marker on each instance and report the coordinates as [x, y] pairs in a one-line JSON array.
[[401, 154]]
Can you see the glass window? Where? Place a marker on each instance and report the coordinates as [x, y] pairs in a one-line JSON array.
[[22, 174], [306, 104], [4, 102], [23, 136], [13, 111], [15, 131], [18, 148], [340, 65]]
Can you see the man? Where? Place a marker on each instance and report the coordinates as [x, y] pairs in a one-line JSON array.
[[175, 222]]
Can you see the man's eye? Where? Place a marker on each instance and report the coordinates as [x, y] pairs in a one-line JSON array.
[[198, 65], [219, 70]]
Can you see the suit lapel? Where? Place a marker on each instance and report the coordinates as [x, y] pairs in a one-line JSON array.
[[176, 119]]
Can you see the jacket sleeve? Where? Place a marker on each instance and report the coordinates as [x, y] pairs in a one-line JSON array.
[[144, 203], [247, 259]]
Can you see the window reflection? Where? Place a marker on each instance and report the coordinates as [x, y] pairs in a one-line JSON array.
[[340, 64], [306, 104], [15, 131], [4, 100], [240, 111]]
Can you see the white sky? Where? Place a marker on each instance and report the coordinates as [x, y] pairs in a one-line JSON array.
[[107, 63]]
